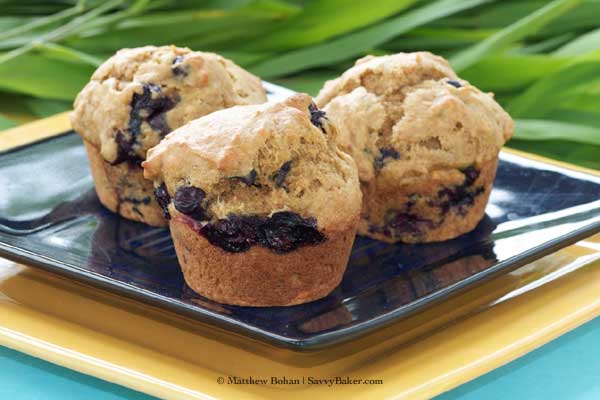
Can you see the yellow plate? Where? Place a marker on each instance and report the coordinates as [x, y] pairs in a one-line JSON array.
[[168, 356]]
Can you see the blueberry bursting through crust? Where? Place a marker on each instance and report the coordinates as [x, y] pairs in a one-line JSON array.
[[282, 232], [150, 106]]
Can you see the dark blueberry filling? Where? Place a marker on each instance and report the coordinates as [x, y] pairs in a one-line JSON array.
[[316, 116], [143, 108], [401, 223], [178, 69], [461, 197], [384, 153], [471, 174], [133, 200], [458, 198], [150, 106], [286, 231], [188, 200], [125, 151], [249, 180], [454, 83], [282, 232], [163, 199], [136, 202], [280, 175], [234, 234]]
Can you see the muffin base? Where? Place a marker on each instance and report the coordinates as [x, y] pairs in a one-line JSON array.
[[122, 189], [260, 277], [419, 212]]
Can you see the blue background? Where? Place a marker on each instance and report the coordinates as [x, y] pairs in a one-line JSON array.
[[567, 368]]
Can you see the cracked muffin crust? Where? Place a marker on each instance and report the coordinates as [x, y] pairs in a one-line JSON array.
[[425, 142], [138, 96], [263, 205]]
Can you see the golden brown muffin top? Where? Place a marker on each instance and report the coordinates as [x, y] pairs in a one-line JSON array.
[[409, 114], [139, 95], [261, 159]]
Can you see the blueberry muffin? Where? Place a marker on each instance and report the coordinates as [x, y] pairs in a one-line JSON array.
[[263, 205], [138, 96], [426, 144]]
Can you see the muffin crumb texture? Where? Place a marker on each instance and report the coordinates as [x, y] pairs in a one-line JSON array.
[[412, 125]]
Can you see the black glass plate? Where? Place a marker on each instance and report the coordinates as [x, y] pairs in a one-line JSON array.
[[50, 218]]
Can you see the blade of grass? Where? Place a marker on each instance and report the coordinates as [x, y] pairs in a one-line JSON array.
[[44, 21], [10, 22], [42, 108], [314, 24], [511, 72], [197, 29], [498, 14], [206, 35], [62, 31], [540, 130], [547, 45], [520, 29], [43, 77], [581, 45], [553, 90], [58, 52], [578, 116], [358, 43], [584, 17], [437, 38]]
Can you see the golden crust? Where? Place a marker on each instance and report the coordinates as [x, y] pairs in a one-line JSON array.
[[214, 151], [122, 189], [260, 277]]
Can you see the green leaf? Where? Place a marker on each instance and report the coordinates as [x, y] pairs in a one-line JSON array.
[[512, 71], [315, 24], [499, 14], [540, 130], [197, 29], [58, 52], [9, 22], [39, 76], [44, 107], [41, 22], [583, 44], [584, 16], [547, 45], [437, 38], [358, 43], [578, 116], [520, 29], [557, 88]]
